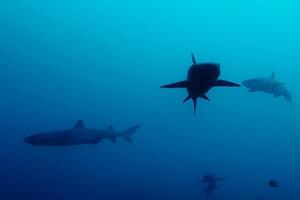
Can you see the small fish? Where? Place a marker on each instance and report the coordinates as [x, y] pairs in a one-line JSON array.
[[273, 183]]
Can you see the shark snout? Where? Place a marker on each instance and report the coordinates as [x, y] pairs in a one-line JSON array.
[[28, 140], [246, 83]]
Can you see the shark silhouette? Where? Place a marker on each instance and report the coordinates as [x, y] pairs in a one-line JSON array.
[[79, 134], [200, 79], [269, 85]]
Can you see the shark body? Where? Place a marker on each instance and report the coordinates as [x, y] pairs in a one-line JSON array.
[[211, 183], [200, 79], [78, 135], [268, 85]]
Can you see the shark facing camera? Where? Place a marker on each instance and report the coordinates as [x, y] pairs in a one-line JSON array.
[[200, 79]]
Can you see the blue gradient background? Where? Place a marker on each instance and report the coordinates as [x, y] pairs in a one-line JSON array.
[[103, 61]]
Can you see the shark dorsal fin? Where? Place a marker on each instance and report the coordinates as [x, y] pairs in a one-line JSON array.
[[273, 75], [110, 128], [194, 59], [79, 124]]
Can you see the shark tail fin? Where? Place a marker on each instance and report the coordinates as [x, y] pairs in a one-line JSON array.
[[128, 132], [288, 98], [195, 105], [194, 101]]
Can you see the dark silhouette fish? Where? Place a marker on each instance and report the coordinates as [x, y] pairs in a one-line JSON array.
[[79, 134], [268, 85], [211, 182], [200, 79], [273, 184]]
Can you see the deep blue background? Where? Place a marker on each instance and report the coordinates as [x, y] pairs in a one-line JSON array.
[[103, 61]]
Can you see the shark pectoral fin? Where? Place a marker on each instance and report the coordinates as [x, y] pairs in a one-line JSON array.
[[276, 95], [252, 90], [186, 99], [203, 96], [180, 84], [79, 124], [225, 83], [110, 128]]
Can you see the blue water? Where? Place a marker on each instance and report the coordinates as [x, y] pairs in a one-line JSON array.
[[103, 61]]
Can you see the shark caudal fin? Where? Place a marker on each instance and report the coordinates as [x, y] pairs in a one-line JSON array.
[[194, 102], [203, 96], [128, 132], [195, 105], [288, 98], [180, 84]]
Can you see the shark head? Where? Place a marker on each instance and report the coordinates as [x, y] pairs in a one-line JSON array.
[[29, 140], [33, 139], [252, 83]]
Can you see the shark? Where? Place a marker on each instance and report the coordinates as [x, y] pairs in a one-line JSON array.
[[201, 78], [211, 182], [268, 85], [78, 135]]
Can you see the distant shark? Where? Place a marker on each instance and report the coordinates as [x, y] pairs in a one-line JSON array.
[[211, 182], [79, 134], [268, 85], [200, 79]]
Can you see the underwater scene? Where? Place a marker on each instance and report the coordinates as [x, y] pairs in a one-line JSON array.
[[149, 100]]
